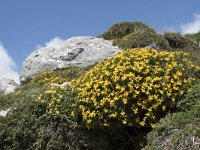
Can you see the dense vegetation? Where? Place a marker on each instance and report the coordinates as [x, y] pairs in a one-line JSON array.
[[179, 130], [139, 99], [122, 29], [135, 87], [134, 34]]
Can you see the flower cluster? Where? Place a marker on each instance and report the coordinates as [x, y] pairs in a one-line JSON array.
[[55, 98], [51, 98], [47, 78], [135, 87]]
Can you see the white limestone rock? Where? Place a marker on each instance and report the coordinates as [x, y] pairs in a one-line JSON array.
[[79, 51], [7, 85]]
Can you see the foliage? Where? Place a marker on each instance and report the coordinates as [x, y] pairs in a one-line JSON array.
[[141, 39], [2, 103], [7, 101], [191, 98], [135, 34], [57, 76], [175, 40], [186, 43], [14, 128], [29, 125], [134, 88], [177, 131], [195, 37], [124, 28], [41, 118]]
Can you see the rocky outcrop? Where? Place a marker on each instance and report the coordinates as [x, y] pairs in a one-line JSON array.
[[77, 51], [7, 85]]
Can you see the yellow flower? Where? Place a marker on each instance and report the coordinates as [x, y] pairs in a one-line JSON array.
[[72, 114], [106, 124], [153, 126], [124, 122], [57, 112], [142, 123], [164, 108]]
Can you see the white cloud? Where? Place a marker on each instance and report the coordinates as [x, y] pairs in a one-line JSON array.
[[168, 29], [7, 65], [55, 42], [191, 27]]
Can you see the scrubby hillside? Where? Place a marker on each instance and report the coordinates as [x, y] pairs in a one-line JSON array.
[[141, 98], [135, 34]]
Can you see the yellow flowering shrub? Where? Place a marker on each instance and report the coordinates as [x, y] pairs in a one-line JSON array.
[[135, 87], [56, 100], [46, 78]]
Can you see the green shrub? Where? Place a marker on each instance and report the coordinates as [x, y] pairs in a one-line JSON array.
[[175, 40], [30, 125], [15, 127], [195, 37], [2, 103], [176, 131], [179, 130], [40, 117], [186, 43], [8, 100], [134, 88], [141, 39], [121, 29], [191, 98]]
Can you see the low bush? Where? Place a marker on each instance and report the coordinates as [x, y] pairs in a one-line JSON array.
[[191, 98], [141, 39], [179, 130], [195, 36], [187, 43], [39, 117], [176, 131], [121, 29], [134, 88], [176, 40]]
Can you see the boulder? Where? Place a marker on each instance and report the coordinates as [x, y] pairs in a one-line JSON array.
[[79, 51], [7, 85]]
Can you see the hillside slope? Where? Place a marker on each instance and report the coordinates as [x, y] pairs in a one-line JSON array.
[[140, 98]]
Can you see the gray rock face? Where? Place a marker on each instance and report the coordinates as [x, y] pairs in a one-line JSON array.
[[77, 51], [7, 85]]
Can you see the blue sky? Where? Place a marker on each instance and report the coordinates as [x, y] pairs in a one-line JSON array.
[[25, 24]]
